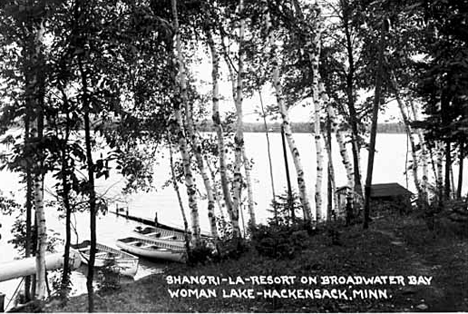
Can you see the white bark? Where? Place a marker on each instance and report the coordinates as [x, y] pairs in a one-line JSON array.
[[196, 148], [314, 58], [286, 122], [439, 165], [342, 146], [189, 179], [237, 85], [424, 157], [233, 216], [217, 194], [41, 285], [41, 237], [248, 178], [176, 186], [410, 133]]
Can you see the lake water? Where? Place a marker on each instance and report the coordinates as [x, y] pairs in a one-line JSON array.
[[389, 167]]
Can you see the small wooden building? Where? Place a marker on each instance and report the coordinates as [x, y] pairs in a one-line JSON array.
[[389, 192], [380, 193], [342, 193]]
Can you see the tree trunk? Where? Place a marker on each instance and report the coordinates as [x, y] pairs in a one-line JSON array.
[[286, 125], [439, 168], [270, 163], [38, 87], [424, 159], [220, 136], [182, 90], [410, 134], [460, 169], [218, 195], [343, 151], [331, 187], [41, 237], [91, 185], [290, 201], [66, 169], [29, 196], [239, 135], [248, 178], [179, 197], [448, 167], [196, 148], [314, 59], [373, 135]]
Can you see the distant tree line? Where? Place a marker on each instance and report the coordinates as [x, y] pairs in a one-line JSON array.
[[300, 127]]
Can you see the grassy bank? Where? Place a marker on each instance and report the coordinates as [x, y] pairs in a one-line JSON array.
[[393, 246]]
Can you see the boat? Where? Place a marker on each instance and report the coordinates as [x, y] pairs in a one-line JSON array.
[[151, 233], [124, 263], [160, 233], [153, 248]]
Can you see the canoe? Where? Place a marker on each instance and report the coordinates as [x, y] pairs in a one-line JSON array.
[[153, 248], [124, 263]]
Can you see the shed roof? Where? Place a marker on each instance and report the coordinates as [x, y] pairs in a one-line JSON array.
[[388, 190]]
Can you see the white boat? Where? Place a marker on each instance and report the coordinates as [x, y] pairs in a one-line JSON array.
[[153, 248], [156, 233], [164, 233], [124, 263]]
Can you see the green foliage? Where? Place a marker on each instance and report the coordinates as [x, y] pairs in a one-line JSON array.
[[109, 276], [211, 251], [8, 205], [285, 207], [278, 241], [202, 253], [19, 237], [448, 217]]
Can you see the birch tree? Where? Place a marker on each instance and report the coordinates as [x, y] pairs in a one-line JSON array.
[[216, 117], [180, 100], [313, 50]]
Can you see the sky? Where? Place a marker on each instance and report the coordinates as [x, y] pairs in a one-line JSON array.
[[251, 106]]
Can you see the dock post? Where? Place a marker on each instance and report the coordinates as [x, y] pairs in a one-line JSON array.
[[127, 212], [2, 302]]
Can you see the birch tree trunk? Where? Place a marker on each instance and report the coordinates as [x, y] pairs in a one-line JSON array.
[[239, 136], [424, 157], [285, 118], [248, 178], [461, 156], [182, 93], [179, 197], [220, 136], [218, 195], [38, 88], [41, 237], [331, 170], [196, 148], [409, 131], [342, 146], [237, 85], [314, 57]]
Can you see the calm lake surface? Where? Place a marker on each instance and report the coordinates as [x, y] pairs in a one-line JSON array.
[[389, 167]]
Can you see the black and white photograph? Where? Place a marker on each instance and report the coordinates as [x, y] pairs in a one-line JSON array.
[[240, 156]]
